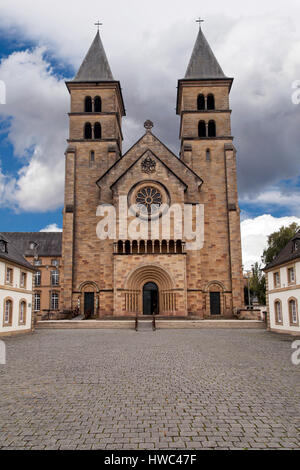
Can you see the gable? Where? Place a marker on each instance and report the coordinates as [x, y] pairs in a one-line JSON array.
[[148, 166], [149, 142]]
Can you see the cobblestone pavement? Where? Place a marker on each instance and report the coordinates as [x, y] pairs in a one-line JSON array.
[[169, 389]]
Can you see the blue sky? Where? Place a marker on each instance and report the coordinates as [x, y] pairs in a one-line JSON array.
[[257, 43]]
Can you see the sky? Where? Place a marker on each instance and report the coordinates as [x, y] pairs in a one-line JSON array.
[[148, 45]]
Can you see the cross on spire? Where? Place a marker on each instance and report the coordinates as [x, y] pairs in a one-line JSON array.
[[98, 24], [199, 21]]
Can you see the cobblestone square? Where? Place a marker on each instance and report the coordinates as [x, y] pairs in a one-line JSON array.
[[169, 389]]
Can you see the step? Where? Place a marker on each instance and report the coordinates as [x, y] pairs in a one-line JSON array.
[[147, 324], [144, 325]]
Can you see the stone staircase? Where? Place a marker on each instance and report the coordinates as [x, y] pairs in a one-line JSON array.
[[145, 325]]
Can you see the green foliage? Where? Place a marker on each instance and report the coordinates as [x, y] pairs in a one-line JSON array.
[[258, 284], [277, 241]]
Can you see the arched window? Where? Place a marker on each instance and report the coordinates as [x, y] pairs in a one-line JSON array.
[[22, 317], [88, 130], [293, 312], [171, 246], [207, 155], [97, 104], [88, 108], [210, 101], [201, 129], [200, 102], [8, 307], [211, 129], [178, 246], [97, 130], [278, 312], [142, 246]]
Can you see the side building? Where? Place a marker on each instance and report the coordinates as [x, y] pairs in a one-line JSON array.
[[43, 251], [283, 289], [16, 279]]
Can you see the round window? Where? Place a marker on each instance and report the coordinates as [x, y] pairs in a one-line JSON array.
[[148, 200]]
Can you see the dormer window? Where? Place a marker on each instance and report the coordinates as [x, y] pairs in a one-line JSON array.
[[32, 245], [3, 246], [296, 245]]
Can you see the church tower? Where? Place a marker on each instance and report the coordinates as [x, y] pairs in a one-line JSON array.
[[207, 147], [95, 143]]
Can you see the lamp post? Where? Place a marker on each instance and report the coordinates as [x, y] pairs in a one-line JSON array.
[[249, 298], [252, 272]]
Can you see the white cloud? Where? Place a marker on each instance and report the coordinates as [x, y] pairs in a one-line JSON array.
[[35, 116], [148, 46], [51, 228], [255, 232]]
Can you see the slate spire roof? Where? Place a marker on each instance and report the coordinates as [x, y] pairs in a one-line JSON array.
[[203, 63], [95, 66]]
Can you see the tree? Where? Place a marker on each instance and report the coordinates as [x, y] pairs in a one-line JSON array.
[[258, 284], [277, 241]]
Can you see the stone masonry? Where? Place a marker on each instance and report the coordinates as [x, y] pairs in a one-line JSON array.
[[115, 271], [171, 389]]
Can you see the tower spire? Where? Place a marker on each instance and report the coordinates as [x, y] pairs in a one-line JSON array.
[[203, 63], [95, 66]]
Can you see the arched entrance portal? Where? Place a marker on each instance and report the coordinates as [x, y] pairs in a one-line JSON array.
[[88, 301], [150, 299], [163, 292]]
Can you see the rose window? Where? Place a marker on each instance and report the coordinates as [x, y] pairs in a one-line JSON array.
[[148, 200]]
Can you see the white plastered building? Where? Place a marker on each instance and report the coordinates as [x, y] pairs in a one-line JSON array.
[[283, 289], [16, 277]]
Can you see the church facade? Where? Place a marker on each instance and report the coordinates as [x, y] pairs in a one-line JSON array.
[[152, 270]]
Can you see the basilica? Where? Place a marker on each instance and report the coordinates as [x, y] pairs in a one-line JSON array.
[[158, 271]]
